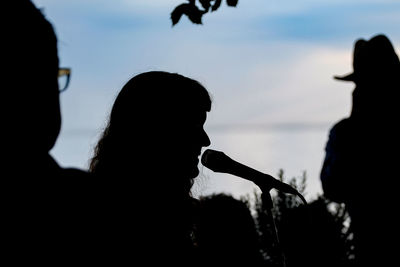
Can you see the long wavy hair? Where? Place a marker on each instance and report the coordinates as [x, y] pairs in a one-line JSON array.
[[145, 116]]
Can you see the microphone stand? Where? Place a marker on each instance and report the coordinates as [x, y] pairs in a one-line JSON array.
[[264, 182], [217, 161], [267, 205]]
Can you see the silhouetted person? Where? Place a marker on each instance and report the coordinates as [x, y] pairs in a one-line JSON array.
[[226, 233], [360, 167], [148, 157], [42, 203]]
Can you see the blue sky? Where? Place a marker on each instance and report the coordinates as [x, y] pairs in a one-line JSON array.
[[268, 65]]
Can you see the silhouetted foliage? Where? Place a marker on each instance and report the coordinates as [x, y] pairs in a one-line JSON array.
[[316, 234], [194, 13]]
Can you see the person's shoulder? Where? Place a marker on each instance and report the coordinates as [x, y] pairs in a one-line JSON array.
[[74, 176], [342, 124], [77, 186], [194, 201], [194, 204], [74, 173], [346, 126]]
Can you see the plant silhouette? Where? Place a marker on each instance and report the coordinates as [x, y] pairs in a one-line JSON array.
[[234, 231], [316, 234], [194, 13]]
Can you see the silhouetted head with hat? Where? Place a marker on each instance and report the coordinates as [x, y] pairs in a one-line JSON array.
[[374, 59], [376, 73], [359, 168]]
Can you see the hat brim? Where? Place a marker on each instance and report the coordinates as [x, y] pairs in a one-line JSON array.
[[348, 78]]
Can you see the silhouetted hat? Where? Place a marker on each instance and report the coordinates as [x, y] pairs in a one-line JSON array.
[[373, 59]]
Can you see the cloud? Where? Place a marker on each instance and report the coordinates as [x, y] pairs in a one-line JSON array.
[[282, 107], [267, 64], [330, 21]]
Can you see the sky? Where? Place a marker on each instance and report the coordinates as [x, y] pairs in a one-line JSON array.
[[268, 65]]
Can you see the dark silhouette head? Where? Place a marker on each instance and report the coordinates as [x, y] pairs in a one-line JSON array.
[[155, 126], [33, 117], [226, 232], [377, 77], [373, 60]]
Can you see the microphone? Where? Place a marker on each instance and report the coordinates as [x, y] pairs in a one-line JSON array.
[[217, 161]]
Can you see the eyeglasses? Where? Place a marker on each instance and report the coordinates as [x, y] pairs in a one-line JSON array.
[[63, 79]]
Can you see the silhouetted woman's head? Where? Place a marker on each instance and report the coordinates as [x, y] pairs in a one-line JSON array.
[[155, 125]]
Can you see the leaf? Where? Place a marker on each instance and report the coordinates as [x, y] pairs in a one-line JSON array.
[[232, 2], [206, 4], [190, 10], [177, 13], [195, 15], [216, 5]]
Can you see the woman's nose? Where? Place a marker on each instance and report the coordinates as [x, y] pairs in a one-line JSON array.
[[206, 139]]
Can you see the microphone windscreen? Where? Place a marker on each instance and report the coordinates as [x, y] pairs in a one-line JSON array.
[[214, 160], [217, 161]]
